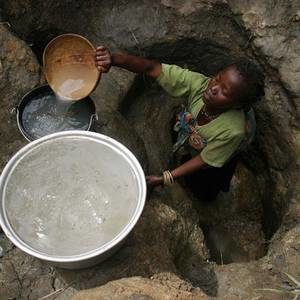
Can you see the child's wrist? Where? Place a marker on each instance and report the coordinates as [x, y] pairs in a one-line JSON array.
[[167, 178], [116, 59]]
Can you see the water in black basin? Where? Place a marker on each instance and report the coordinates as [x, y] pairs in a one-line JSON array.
[[45, 114]]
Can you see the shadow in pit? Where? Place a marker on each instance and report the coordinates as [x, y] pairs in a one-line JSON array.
[[197, 271], [38, 40], [222, 248]]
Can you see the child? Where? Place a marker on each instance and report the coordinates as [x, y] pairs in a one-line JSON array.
[[213, 125]]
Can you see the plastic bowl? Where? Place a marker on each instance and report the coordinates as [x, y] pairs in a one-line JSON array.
[[69, 66]]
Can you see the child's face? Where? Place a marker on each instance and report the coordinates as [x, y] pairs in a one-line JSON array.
[[224, 89]]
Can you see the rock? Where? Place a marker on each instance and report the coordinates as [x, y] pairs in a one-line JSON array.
[[269, 38], [113, 88], [284, 252], [138, 288], [113, 124], [234, 276], [21, 274], [198, 273], [201, 35], [149, 112], [267, 273], [275, 36], [19, 73]]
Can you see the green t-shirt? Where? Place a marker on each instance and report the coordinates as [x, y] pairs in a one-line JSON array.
[[223, 134]]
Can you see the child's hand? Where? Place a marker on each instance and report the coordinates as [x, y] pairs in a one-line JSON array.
[[103, 59], [153, 181]]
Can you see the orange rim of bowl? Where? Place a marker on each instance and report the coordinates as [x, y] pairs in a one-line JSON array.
[[74, 35]]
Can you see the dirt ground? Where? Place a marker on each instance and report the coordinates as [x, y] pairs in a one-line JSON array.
[[255, 227]]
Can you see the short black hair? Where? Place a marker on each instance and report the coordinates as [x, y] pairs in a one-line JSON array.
[[254, 79]]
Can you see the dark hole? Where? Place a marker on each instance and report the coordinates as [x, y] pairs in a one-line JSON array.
[[38, 40]]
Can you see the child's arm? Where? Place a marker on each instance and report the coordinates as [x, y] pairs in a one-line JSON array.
[[136, 64], [189, 167]]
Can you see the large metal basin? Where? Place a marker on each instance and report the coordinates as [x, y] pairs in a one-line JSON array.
[[71, 198]]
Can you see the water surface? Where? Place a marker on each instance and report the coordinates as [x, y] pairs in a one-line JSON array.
[[45, 114]]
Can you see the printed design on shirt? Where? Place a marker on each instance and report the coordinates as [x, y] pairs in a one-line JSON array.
[[186, 127], [196, 141]]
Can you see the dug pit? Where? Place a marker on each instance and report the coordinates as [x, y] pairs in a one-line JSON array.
[[252, 232]]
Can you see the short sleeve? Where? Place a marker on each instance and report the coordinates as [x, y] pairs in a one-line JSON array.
[[218, 151], [179, 82]]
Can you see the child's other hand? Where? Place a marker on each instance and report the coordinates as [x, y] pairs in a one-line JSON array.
[[153, 181], [103, 59]]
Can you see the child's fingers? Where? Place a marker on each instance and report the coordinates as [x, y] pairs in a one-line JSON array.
[[102, 51], [103, 66], [105, 57], [103, 62], [101, 48], [102, 59]]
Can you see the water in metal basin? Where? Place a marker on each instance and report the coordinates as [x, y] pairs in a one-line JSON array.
[[70, 197]]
